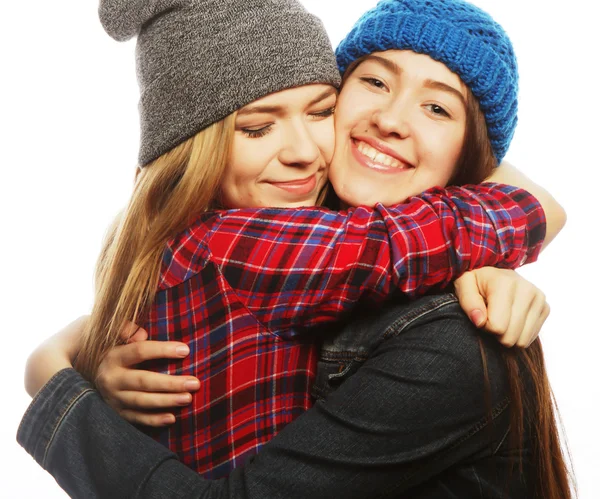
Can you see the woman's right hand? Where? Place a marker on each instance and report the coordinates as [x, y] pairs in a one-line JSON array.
[[144, 397]]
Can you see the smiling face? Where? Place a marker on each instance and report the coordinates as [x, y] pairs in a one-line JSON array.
[[400, 128], [282, 146]]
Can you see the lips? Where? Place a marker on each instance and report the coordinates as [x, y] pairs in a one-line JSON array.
[[300, 187]]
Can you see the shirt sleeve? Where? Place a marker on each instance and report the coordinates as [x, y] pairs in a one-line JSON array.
[[304, 267]]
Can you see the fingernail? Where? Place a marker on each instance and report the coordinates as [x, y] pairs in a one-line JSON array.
[[477, 317], [186, 398], [182, 350], [168, 419], [191, 384]]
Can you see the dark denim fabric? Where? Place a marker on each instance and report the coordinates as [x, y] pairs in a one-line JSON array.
[[402, 413]]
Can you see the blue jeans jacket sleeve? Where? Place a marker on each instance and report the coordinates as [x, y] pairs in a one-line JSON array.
[[91, 451], [410, 421]]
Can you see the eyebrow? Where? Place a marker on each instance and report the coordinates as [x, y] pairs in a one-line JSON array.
[[438, 85], [277, 109], [433, 84], [389, 65]]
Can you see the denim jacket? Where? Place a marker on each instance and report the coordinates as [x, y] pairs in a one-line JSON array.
[[402, 412]]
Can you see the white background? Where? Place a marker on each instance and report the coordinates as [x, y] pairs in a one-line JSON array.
[[68, 150]]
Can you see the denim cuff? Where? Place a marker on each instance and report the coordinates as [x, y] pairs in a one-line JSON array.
[[47, 411]]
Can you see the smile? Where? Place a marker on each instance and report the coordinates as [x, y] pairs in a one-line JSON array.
[[375, 158], [300, 187]]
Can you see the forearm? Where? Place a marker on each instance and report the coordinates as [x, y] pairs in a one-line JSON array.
[[41, 367], [54, 354], [556, 216], [330, 261]]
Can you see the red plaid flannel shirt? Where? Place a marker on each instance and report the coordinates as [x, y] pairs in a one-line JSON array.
[[239, 287]]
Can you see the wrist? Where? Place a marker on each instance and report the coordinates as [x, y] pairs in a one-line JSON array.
[[41, 366]]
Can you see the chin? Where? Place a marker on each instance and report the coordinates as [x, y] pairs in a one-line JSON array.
[[358, 200]]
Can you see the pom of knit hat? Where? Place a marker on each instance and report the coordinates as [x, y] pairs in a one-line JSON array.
[[123, 19]]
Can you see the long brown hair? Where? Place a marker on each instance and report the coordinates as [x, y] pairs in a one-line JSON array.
[[532, 405], [538, 409], [168, 195]]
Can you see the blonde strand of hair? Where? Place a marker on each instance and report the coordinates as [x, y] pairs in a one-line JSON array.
[[169, 194]]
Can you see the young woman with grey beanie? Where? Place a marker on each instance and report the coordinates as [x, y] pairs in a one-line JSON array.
[[352, 365]]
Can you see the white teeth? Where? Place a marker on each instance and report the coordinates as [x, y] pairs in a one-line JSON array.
[[377, 156]]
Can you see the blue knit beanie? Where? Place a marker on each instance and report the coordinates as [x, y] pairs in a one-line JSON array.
[[456, 33]]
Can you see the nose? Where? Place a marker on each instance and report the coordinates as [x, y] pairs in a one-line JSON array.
[[392, 120], [299, 147]]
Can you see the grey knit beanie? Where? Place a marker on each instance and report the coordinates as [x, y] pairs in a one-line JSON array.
[[200, 60]]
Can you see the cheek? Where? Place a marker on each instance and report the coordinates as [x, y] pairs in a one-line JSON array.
[[251, 157], [325, 138], [442, 154], [245, 165], [351, 115], [341, 120], [354, 107]]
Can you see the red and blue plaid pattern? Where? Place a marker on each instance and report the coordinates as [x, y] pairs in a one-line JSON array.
[[240, 286]]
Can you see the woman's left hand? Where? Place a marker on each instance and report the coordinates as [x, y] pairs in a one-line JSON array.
[[504, 303]]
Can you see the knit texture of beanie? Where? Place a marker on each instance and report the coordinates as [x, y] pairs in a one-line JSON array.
[[463, 37], [200, 60]]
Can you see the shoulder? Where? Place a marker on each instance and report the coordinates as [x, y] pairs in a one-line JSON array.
[[433, 334], [187, 253], [436, 322]]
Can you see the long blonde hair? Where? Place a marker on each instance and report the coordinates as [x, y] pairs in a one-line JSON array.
[[168, 195]]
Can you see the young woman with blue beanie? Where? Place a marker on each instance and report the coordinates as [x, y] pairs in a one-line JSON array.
[[393, 427]]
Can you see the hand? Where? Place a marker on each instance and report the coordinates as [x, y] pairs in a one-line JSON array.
[[503, 303], [141, 397], [56, 353]]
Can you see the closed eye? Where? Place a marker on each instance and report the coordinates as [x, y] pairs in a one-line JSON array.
[[326, 113], [255, 133]]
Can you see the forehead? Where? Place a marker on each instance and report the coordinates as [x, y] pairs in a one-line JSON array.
[[416, 66]]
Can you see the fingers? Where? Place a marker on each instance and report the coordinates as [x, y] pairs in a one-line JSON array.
[[140, 351], [529, 319], [141, 401], [140, 335], [139, 395], [129, 330], [501, 299], [538, 325], [470, 299], [525, 309], [147, 381], [516, 309], [509, 298], [147, 419], [516, 312], [115, 377]]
